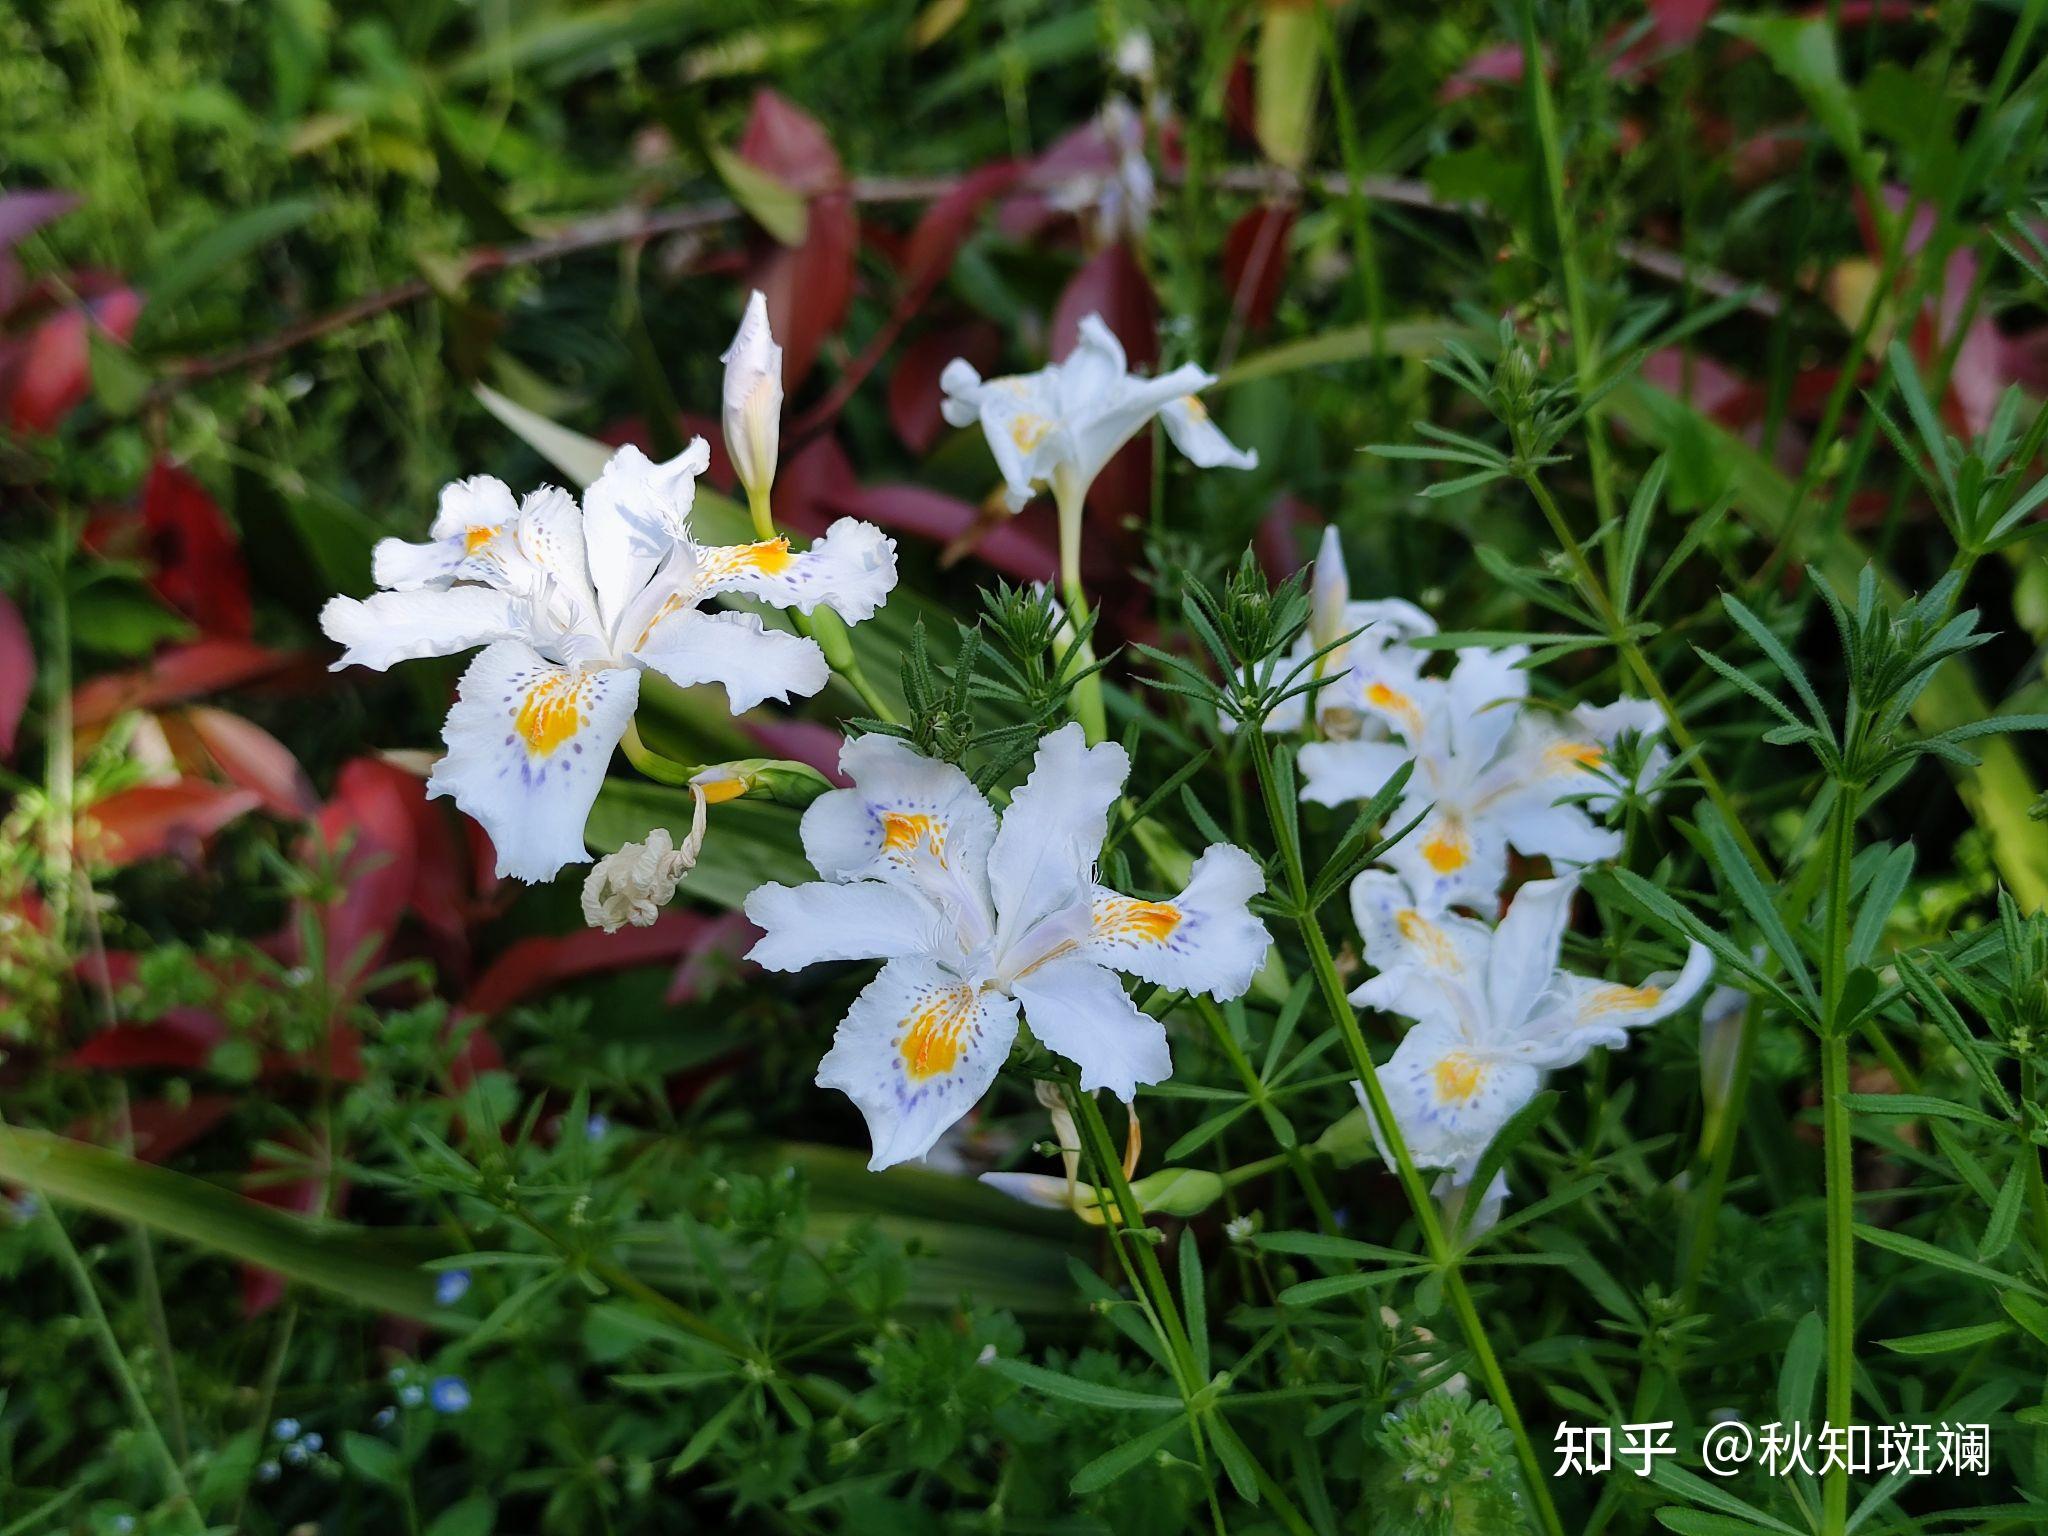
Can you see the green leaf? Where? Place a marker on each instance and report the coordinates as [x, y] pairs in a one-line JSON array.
[[1521, 1125], [1878, 901], [1802, 49], [581, 458], [768, 200], [1693, 1522], [1800, 1372], [1944, 1341], [1917, 1106], [1092, 1394], [2005, 1215], [1113, 1464], [1310, 1293], [115, 619], [203, 260], [1318, 1245], [374, 1270], [374, 1459], [1941, 1258], [476, 1515], [1194, 1299], [2028, 1313]]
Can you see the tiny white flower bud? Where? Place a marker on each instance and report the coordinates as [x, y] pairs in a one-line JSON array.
[[1329, 591], [1133, 58], [753, 398]]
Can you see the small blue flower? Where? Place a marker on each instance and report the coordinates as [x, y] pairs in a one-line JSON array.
[[451, 1287], [285, 1429], [383, 1417], [123, 1524], [312, 1441], [410, 1395], [596, 1128], [451, 1394], [295, 1453], [268, 1472]]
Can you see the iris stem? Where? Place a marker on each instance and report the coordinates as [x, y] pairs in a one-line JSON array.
[[1839, 1155], [1420, 1201], [1072, 497]]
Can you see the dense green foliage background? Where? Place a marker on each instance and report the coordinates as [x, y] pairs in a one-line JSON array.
[[685, 1299]]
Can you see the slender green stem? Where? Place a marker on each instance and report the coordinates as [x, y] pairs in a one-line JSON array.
[[1255, 1089], [2037, 1190], [1072, 498], [1839, 1158], [117, 1362], [1132, 1240], [656, 766], [1420, 1201], [1548, 149]]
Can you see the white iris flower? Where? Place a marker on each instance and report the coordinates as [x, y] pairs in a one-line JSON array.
[[1492, 1011], [569, 605], [1366, 673], [978, 919], [1059, 426], [1491, 771]]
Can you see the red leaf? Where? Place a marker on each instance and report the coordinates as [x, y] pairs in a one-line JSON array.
[[252, 758], [181, 672], [809, 287], [802, 741], [155, 819], [1255, 261], [198, 559], [17, 673], [946, 224], [370, 818], [53, 374], [1024, 545], [181, 1041], [1113, 286], [157, 1129], [536, 964], [914, 393]]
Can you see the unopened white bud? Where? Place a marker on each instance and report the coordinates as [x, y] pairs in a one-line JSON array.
[[753, 399], [1329, 591]]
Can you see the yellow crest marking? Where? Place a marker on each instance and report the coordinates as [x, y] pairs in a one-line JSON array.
[[1619, 1000], [903, 831], [474, 539], [934, 1035], [1447, 850], [551, 713], [1458, 1077], [1028, 431], [1194, 407], [1146, 922]]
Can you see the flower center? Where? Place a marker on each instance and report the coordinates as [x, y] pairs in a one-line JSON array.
[[474, 539], [905, 832], [1028, 431], [551, 712], [933, 1035], [1427, 937], [1447, 849], [1458, 1077]]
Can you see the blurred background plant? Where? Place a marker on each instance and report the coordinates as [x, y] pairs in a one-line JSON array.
[[347, 1184]]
